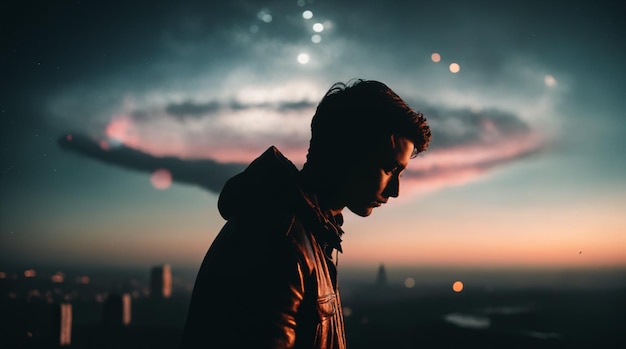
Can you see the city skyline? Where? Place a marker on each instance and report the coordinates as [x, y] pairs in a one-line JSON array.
[[525, 104]]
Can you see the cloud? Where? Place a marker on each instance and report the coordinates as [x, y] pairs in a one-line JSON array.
[[193, 109], [226, 95], [187, 109], [207, 174], [467, 144]]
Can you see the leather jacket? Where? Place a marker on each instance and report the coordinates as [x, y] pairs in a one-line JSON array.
[[268, 280]]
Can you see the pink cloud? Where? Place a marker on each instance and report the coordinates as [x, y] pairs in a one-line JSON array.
[[459, 162], [462, 164]]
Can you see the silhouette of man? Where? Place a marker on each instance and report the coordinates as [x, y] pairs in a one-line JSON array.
[[269, 279]]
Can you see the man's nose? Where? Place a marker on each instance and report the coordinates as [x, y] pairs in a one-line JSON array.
[[393, 187]]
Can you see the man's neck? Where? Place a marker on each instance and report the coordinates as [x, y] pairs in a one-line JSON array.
[[323, 189]]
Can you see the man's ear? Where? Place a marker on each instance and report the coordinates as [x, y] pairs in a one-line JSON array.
[[392, 139]]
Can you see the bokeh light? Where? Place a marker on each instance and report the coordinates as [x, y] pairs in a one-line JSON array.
[[104, 145], [550, 81], [457, 286], [161, 179], [316, 38], [264, 15], [318, 27], [58, 278], [409, 282], [303, 58], [307, 14], [435, 57], [455, 68]]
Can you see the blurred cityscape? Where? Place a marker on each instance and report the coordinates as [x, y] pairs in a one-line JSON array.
[[147, 309], [40, 309]]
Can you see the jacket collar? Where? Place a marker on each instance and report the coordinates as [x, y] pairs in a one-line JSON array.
[[329, 232]]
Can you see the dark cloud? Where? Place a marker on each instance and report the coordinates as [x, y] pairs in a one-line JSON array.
[[454, 127], [190, 109], [488, 164], [207, 174], [296, 105]]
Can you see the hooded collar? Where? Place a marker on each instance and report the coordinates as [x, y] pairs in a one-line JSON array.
[[272, 182]]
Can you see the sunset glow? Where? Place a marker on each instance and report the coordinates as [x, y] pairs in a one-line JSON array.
[[118, 146]]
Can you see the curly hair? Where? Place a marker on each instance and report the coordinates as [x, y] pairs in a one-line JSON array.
[[360, 113]]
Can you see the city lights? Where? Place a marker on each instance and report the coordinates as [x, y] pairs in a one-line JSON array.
[[58, 278]]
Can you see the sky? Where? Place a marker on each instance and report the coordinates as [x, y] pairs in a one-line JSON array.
[[121, 121]]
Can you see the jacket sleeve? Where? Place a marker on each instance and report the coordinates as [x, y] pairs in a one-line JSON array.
[[248, 290]]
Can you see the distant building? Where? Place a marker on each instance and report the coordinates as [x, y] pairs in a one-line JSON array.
[[381, 277], [161, 281], [62, 325], [116, 311]]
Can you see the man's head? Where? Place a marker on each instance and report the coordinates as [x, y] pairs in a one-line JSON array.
[[362, 137]]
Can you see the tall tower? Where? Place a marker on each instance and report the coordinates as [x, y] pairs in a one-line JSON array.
[[381, 277], [117, 310], [161, 281], [62, 325]]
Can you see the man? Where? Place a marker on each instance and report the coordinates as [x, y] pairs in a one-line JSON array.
[[269, 279]]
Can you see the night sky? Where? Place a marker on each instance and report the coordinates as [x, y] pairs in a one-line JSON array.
[[102, 102]]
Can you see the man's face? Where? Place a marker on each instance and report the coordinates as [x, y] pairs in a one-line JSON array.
[[373, 181]]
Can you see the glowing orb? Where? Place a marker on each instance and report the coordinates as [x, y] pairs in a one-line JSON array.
[[318, 27], [549, 80], [455, 67], [58, 277], [69, 137], [457, 286], [435, 57], [409, 282], [303, 58], [316, 38], [307, 14], [264, 15], [161, 179]]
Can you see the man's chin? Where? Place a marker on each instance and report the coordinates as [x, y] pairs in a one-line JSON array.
[[361, 211]]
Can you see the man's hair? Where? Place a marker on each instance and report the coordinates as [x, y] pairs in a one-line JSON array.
[[359, 115]]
